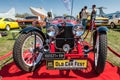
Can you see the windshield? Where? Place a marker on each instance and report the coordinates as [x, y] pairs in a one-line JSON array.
[[58, 17], [69, 18]]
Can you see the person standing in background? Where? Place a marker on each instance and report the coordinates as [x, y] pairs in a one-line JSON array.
[[93, 13], [93, 16], [84, 16], [48, 19], [80, 15]]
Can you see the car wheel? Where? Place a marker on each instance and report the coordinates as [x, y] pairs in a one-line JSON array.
[[7, 27], [100, 50], [26, 51], [112, 25]]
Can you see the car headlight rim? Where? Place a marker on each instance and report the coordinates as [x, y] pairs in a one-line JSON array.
[[78, 30], [52, 30]]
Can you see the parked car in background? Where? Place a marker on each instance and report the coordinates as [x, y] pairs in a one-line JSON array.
[[8, 23], [31, 21], [114, 20], [100, 21]]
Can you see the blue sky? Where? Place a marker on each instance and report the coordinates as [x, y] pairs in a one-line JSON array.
[[57, 6]]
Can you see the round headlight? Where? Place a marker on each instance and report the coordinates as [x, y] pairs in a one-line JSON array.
[[52, 30], [78, 30]]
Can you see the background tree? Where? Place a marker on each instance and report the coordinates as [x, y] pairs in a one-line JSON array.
[[22, 15]]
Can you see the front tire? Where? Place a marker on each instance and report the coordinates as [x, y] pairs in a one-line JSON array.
[[26, 53], [100, 50]]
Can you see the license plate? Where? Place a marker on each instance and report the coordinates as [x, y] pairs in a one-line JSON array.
[[66, 64], [53, 56]]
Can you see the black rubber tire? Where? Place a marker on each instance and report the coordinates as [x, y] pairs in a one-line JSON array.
[[112, 25], [102, 52], [17, 52], [94, 40]]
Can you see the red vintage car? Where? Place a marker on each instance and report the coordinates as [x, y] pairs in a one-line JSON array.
[[62, 47]]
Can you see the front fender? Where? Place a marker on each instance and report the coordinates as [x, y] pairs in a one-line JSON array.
[[102, 29], [31, 29]]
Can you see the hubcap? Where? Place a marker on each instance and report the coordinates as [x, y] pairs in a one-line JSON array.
[[32, 56], [112, 25]]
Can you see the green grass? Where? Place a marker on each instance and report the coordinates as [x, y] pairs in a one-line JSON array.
[[6, 45], [114, 43]]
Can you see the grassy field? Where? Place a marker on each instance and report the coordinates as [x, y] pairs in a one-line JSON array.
[[6, 45], [114, 43]]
